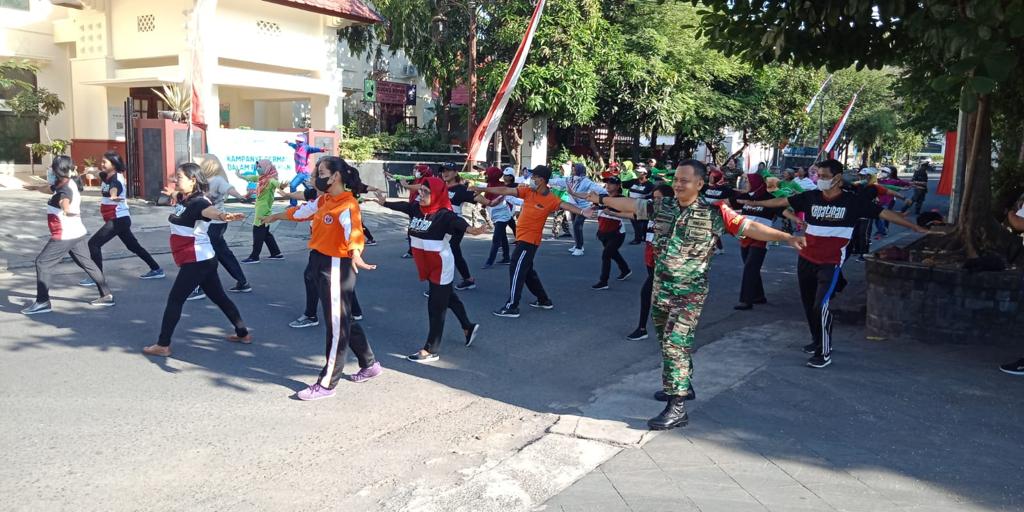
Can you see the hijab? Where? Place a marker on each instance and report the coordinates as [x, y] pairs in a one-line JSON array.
[[438, 196], [268, 173]]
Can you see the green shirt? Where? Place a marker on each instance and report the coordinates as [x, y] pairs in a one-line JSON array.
[[264, 201]]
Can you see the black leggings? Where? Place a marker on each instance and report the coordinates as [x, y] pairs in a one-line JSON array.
[[442, 297], [261, 234], [645, 298], [191, 275], [313, 297], [460, 262], [612, 241], [751, 286], [224, 254], [499, 240], [49, 258], [367, 234], [335, 282], [120, 227]]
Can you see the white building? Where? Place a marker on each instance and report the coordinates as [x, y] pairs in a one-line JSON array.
[[267, 64]]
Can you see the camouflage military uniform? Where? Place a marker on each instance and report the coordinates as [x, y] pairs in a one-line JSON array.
[[684, 239]]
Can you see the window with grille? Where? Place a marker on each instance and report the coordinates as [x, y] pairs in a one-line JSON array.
[[147, 23], [268, 28], [20, 5], [16, 132]]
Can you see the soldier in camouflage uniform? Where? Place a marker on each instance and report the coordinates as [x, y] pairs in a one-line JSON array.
[[685, 229]]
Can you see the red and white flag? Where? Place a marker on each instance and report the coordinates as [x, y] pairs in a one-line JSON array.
[[489, 124], [202, 13], [837, 130]]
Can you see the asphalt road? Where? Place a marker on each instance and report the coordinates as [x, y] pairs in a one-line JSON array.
[[90, 423]]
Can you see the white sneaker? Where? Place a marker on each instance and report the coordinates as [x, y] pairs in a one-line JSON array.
[[572, 249], [577, 252]]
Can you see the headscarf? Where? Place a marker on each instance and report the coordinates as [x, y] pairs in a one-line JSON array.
[[756, 182], [425, 172], [493, 177], [579, 170], [267, 173], [438, 196]]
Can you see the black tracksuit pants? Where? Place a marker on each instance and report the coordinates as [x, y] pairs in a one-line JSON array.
[[645, 298], [120, 227], [499, 240], [443, 297], [817, 286], [521, 273], [639, 230], [202, 274], [612, 241], [224, 254], [752, 287], [261, 235], [335, 284], [577, 229], [313, 295], [49, 258]]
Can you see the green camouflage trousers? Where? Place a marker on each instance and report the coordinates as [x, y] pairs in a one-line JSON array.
[[675, 325]]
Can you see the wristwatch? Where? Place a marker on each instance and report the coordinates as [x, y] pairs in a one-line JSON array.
[[600, 200]]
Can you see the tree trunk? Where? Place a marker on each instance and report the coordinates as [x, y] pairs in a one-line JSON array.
[[595, 148], [977, 231], [443, 116], [514, 135], [738, 152], [654, 141]]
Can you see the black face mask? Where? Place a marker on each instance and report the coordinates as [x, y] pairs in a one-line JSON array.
[[321, 183]]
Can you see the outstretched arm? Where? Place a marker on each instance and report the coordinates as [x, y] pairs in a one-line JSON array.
[[899, 220], [1016, 221], [764, 233], [625, 205], [501, 191], [778, 202]]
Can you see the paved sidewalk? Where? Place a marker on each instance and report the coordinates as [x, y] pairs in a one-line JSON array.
[[890, 426]]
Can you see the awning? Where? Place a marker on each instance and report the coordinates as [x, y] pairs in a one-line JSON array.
[[135, 82], [355, 10]]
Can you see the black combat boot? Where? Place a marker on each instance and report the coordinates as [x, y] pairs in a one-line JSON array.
[[662, 396], [673, 416]]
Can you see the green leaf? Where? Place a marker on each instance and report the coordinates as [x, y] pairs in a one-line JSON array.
[[984, 32], [983, 84], [1000, 65], [945, 83]]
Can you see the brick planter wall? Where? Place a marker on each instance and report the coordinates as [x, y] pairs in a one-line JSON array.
[[944, 306]]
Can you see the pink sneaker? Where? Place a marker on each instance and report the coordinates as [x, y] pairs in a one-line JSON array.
[[315, 392], [366, 374]]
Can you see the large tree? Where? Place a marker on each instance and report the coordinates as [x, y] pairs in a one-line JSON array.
[[559, 80], [970, 46]]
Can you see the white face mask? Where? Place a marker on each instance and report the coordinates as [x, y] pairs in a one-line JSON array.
[[533, 183], [417, 174], [824, 185], [51, 178]]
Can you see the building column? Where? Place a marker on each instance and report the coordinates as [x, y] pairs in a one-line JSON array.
[[535, 142]]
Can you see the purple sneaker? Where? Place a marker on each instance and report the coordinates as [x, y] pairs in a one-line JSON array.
[[366, 374], [315, 392]]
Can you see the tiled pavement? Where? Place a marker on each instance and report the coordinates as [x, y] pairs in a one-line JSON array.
[[890, 426]]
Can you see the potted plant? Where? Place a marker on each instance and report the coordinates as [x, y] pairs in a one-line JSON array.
[[178, 99]]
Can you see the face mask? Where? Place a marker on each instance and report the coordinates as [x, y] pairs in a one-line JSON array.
[[824, 185], [322, 184], [533, 184], [417, 174]]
